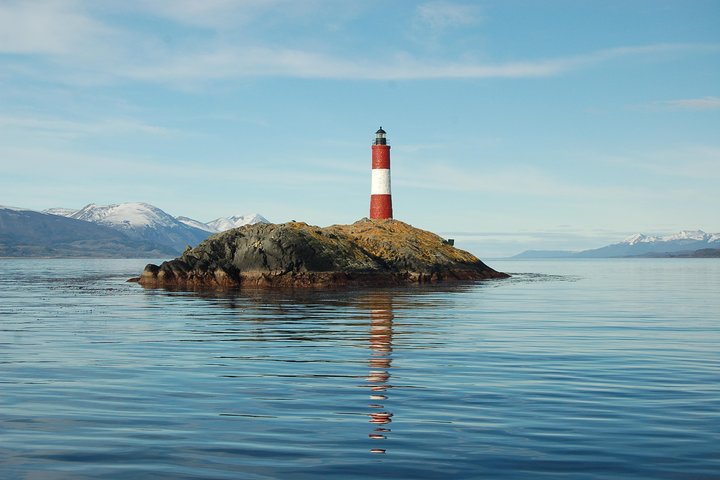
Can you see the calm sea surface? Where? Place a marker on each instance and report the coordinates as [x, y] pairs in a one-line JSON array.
[[571, 369]]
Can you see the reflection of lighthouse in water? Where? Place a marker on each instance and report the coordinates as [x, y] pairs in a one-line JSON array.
[[380, 362]]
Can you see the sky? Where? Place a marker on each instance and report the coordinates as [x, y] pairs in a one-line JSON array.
[[514, 124]]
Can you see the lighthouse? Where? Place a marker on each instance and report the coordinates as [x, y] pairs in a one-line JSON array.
[[380, 197]]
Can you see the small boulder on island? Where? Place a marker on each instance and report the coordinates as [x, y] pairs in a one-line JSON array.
[[295, 254]]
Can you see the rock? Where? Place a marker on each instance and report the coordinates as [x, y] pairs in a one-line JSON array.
[[295, 254]]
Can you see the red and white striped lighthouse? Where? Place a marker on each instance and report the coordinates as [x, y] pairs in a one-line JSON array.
[[380, 197]]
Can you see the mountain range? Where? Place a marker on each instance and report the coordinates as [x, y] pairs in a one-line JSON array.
[[142, 230], [687, 243], [119, 230]]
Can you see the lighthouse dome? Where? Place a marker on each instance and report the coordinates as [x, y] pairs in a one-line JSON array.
[[380, 137]]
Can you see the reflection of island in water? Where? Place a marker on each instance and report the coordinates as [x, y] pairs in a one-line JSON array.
[[381, 319], [311, 314]]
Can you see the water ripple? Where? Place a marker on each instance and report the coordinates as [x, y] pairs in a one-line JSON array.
[[584, 370]]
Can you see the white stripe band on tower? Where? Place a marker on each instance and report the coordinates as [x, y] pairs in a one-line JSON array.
[[380, 181]]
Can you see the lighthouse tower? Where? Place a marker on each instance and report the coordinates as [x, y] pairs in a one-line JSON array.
[[380, 198]]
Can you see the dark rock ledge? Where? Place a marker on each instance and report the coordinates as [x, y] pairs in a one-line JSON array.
[[294, 254]]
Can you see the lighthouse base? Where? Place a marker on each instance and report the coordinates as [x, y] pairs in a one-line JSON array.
[[381, 206]]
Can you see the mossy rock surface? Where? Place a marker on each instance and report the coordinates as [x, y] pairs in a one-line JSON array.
[[295, 254]]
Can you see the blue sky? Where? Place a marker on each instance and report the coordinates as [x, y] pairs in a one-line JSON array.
[[513, 124]]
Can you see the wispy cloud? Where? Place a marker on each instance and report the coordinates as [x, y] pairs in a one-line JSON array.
[[522, 180], [705, 103], [69, 128], [43, 164], [48, 27], [225, 62], [692, 162], [71, 42], [279, 62]]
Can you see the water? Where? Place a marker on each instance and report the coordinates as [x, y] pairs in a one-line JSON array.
[[580, 369]]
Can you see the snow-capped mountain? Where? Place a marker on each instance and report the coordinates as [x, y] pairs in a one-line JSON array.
[[224, 223], [125, 215], [640, 245], [143, 221], [27, 233], [691, 235], [196, 224], [63, 212], [639, 238], [227, 223], [126, 229], [684, 235]]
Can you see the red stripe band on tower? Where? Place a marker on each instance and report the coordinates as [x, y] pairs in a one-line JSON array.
[[381, 206], [381, 156]]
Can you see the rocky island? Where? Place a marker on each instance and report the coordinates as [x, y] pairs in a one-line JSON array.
[[295, 254]]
